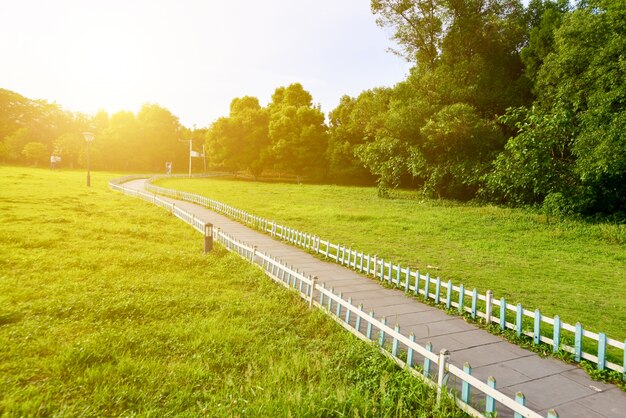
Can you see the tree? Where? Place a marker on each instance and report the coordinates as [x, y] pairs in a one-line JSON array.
[[35, 152], [241, 140], [158, 138], [297, 133], [352, 123], [16, 142], [573, 142], [69, 146], [418, 26]]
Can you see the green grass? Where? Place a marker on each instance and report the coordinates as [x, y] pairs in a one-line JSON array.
[[108, 307], [573, 269]]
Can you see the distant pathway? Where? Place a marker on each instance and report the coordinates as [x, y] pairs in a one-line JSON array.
[[547, 383]]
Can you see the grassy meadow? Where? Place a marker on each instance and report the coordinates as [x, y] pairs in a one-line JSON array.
[[569, 268], [108, 307]]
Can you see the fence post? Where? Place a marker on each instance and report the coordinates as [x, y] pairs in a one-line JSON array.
[[556, 334], [578, 342], [490, 403], [537, 327], [489, 306], [339, 306], [601, 350], [208, 237], [407, 284], [369, 327], [465, 387], [417, 282], [375, 264], [520, 399], [552, 414], [357, 324], [311, 290], [518, 320], [429, 347], [394, 345], [381, 334], [444, 355], [409, 353], [474, 302]]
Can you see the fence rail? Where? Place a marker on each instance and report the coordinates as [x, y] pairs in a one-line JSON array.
[[574, 339], [434, 369]]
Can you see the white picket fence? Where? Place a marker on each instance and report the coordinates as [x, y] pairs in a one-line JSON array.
[[493, 310], [434, 369]]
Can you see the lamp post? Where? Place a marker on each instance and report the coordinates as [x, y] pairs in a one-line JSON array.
[[88, 138]]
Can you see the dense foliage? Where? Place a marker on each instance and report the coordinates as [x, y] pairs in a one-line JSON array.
[[506, 103]]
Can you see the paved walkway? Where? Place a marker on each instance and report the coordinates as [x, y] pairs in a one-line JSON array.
[[547, 383]]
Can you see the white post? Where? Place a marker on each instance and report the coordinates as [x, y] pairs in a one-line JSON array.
[[489, 307], [444, 355], [312, 290]]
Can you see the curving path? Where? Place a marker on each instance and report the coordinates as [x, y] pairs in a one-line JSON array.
[[547, 383]]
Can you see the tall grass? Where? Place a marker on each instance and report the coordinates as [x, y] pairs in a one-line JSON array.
[[567, 268], [108, 307]]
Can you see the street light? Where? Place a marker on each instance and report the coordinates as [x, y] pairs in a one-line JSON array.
[[88, 138]]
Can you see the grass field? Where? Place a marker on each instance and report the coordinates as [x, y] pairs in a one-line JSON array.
[[574, 269], [108, 307]]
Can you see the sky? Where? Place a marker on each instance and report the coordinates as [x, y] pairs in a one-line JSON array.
[[191, 56]]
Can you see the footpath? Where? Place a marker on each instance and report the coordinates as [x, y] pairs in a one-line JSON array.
[[546, 383]]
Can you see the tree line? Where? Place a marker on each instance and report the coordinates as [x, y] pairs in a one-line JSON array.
[[504, 103], [31, 131], [515, 105]]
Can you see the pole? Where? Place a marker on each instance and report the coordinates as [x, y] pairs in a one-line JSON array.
[[190, 144], [88, 167], [204, 158]]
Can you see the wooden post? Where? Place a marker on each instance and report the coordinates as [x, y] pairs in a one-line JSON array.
[[461, 297], [488, 306], [444, 355], [552, 414], [427, 287], [437, 290], [449, 295], [208, 237], [502, 314], [358, 320]]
